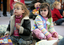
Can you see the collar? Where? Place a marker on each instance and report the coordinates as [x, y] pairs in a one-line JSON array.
[[18, 17]]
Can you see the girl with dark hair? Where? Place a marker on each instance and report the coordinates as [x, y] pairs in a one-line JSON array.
[[34, 8], [43, 26]]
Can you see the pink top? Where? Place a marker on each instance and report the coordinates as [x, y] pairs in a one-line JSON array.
[[17, 20], [48, 36], [46, 21]]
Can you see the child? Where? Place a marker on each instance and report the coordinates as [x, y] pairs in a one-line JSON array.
[[35, 11], [43, 26], [19, 28], [57, 17], [12, 2]]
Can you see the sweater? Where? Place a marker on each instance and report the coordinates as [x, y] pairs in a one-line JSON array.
[[24, 30], [56, 14], [40, 23]]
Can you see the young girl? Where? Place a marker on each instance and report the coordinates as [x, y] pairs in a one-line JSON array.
[[43, 26], [12, 2], [57, 17], [19, 27]]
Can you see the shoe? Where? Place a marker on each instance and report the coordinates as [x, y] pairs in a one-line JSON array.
[[5, 15], [0, 9], [25, 42]]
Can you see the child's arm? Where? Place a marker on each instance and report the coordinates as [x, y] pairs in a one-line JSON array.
[[7, 31], [52, 30], [25, 28], [40, 25], [58, 15]]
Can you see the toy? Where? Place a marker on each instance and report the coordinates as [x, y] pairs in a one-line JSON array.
[[36, 11]]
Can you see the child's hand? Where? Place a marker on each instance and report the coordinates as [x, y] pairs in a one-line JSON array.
[[17, 26], [55, 35], [6, 35], [37, 4], [50, 38]]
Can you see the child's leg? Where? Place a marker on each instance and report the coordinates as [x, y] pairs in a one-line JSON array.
[[38, 34], [14, 40], [23, 42]]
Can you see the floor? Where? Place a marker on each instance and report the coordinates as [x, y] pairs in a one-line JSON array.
[[5, 20]]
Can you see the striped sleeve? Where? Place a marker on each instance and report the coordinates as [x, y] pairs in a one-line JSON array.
[[40, 25], [51, 29]]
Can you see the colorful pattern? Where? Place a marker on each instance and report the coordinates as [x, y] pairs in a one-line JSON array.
[[36, 11], [41, 25], [5, 41], [17, 20]]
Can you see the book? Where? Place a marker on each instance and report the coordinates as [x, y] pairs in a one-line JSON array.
[[46, 42]]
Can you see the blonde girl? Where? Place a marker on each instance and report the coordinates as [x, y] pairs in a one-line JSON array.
[[19, 27]]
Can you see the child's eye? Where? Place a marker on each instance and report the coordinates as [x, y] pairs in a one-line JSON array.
[[22, 9], [17, 8], [44, 10]]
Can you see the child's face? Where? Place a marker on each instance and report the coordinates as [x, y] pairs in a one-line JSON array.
[[58, 6], [18, 10], [44, 12]]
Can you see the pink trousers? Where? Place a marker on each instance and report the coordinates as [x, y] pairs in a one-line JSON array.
[[38, 34]]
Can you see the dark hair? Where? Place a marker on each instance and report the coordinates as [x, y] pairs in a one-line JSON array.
[[33, 2], [45, 5]]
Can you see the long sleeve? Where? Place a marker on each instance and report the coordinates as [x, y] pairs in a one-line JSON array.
[[58, 14], [26, 27], [8, 30], [51, 28], [40, 26]]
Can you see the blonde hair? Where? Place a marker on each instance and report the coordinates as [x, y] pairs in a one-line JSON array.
[[55, 4], [26, 13]]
